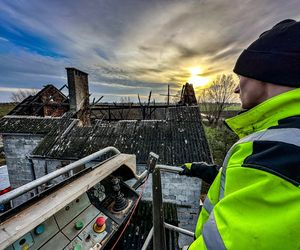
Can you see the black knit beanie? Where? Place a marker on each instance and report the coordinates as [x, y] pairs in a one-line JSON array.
[[274, 57]]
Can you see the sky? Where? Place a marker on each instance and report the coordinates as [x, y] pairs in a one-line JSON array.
[[129, 47]]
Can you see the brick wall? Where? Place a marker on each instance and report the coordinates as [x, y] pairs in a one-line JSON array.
[[51, 96]]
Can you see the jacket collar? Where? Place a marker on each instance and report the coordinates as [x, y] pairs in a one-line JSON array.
[[266, 114]]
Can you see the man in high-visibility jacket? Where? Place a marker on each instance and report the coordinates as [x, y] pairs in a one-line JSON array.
[[254, 200]]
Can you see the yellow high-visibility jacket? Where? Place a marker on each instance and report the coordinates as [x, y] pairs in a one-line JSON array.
[[254, 202]]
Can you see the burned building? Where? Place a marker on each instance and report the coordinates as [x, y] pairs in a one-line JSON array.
[[142, 111], [37, 145], [177, 139], [50, 101]]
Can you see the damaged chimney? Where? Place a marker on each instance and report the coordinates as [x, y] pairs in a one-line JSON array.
[[79, 94], [188, 97]]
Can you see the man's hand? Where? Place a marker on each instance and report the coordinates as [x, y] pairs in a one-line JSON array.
[[202, 170], [186, 169]]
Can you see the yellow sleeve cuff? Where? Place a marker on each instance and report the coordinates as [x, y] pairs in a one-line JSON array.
[[188, 165]]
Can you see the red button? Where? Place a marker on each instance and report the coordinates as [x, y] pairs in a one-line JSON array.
[[100, 221]]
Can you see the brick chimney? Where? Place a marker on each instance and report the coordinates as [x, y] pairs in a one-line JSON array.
[[79, 94]]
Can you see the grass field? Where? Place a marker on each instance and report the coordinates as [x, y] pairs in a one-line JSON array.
[[5, 108], [233, 107], [229, 106]]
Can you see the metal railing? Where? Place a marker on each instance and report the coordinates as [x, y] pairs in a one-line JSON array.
[[159, 225], [44, 179]]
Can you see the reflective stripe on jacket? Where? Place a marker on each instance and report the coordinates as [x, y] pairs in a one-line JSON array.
[[254, 202]]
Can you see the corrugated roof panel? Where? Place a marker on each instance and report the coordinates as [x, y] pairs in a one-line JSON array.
[[178, 139]]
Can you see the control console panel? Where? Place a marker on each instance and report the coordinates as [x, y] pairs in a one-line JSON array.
[[90, 221]]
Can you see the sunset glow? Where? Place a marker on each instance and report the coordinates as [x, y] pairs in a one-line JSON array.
[[196, 79], [128, 48]]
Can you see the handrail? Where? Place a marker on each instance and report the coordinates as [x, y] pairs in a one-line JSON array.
[[170, 169], [179, 230], [148, 240], [31, 185], [159, 225]]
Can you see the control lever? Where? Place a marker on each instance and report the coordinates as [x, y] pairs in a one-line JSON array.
[[120, 202], [151, 163]]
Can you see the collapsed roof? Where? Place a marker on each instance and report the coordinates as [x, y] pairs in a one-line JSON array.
[[49, 101]]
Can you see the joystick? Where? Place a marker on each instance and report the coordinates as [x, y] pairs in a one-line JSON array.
[[120, 202]]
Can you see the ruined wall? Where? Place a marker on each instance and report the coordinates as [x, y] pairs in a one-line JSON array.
[[48, 102], [17, 148], [53, 98], [188, 96]]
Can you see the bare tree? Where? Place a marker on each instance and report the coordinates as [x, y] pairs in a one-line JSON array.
[[214, 99], [21, 94]]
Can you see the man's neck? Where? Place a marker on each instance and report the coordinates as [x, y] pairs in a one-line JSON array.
[[274, 89]]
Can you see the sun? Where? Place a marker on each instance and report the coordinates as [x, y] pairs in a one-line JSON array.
[[196, 79]]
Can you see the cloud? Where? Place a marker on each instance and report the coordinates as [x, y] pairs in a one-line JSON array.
[[129, 45], [3, 39], [9, 90]]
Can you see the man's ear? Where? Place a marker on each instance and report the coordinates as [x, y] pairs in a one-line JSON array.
[[237, 89]]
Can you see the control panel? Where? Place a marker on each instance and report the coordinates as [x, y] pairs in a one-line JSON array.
[[90, 221]]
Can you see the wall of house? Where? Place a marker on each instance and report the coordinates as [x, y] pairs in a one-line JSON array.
[[2, 156], [44, 166], [17, 148]]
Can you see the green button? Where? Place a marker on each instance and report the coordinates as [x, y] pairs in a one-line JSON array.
[[78, 225], [77, 247]]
